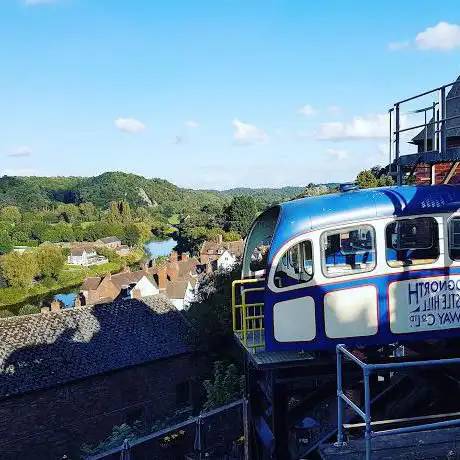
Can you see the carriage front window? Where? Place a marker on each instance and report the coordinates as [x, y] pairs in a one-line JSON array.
[[412, 242], [348, 251], [296, 266]]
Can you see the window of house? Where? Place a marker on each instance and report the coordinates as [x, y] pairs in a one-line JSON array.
[[412, 242], [295, 266], [183, 394], [454, 238], [348, 251]]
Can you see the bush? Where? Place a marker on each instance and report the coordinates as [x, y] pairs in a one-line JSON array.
[[6, 314], [29, 310]]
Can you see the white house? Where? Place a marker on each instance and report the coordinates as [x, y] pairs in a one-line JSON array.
[[181, 293], [226, 261], [85, 257]]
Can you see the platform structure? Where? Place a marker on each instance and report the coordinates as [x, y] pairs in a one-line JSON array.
[[438, 138], [407, 434], [292, 396]]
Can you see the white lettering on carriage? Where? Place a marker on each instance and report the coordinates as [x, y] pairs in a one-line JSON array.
[[425, 304]]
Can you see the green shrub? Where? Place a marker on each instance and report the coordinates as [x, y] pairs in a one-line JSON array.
[[29, 310], [6, 314]]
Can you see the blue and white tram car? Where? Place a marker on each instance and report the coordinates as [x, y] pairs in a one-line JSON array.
[[362, 267]]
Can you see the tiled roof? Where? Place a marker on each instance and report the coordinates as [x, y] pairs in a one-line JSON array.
[[91, 284], [187, 266], [110, 239], [176, 289], [43, 350], [452, 109], [233, 247], [118, 280]]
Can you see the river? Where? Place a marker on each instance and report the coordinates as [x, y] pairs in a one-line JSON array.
[[159, 248]]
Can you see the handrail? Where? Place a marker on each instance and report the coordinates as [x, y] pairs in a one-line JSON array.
[[250, 318], [366, 414], [234, 304]]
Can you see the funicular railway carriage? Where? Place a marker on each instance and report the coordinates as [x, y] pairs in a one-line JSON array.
[[361, 267]]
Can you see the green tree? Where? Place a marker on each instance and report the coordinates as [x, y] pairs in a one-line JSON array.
[[226, 386], [231, 236], [68, 212], [384, 181], [136, 234], [242, 212], [19, 269], [29, 310], [88, 211], [11, 214], [366, 179], [6, 244], [50, 260]]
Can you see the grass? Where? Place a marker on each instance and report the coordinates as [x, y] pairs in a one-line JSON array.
[[174, 219], [67, 279]]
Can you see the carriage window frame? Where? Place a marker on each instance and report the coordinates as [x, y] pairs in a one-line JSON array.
[[301, 283], [449, 237], [338, 231], [432, 261]]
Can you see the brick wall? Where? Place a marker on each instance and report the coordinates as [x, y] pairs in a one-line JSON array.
[[50, 423]]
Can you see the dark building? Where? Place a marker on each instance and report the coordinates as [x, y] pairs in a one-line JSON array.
[[423, 171], [68, 377]]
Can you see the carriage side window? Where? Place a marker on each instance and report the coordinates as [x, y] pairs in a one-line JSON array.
[[412, 242], [454, 238], [348, 251], [296, 266]]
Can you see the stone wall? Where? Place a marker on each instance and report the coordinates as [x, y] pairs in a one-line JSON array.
[[49, 423]]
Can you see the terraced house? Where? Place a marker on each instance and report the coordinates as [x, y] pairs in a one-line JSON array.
[[68, 377]]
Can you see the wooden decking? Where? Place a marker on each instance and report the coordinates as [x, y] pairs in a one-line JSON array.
[[428, 445]]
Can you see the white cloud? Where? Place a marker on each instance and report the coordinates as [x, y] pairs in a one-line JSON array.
[[246, 134], [38, 2], [337, 154], [443, 36], [278, 132], [335, 110], [192, 124], [360, 128], [129, 125], [307, 110], [396, 46], [22, 151]]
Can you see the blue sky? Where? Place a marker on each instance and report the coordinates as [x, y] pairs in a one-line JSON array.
[[213, 94]]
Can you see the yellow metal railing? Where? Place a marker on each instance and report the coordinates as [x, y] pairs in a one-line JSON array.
[[248, 318]]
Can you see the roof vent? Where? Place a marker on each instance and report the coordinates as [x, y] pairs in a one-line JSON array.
[[348, 187]]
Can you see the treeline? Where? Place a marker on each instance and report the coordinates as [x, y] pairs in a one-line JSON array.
[[85, 222], [232, 221]]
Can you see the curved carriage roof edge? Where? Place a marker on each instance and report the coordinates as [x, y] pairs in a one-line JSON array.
[[312, 213]]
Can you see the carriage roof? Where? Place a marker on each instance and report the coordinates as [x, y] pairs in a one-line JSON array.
[[311, 213]]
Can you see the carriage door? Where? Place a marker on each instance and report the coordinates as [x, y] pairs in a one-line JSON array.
[[293, 310]]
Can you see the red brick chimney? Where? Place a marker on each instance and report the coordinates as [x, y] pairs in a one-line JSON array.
[[184, 256], [162, 278], [55, 305], [219, 239], [174, 256], [173, 270]]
